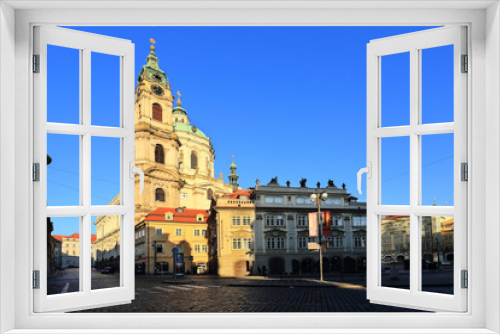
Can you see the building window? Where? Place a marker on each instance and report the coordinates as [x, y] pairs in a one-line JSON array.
[[159, 231], [308, 201], [270, 220], [276, 243], [159, 248], [300, 200], [278, 199], [236, 243], [246, 220], [184, 196], [269, 199], [302, 243], [358, 221], [337, 201], [160, 195], [196, 233], [178, 232], [302, 221], [179, 248], [336, 221], [204, 233], [204, 248], [335, 242], [197, 248], [236, 220], [241, 243], [328, 201], [157, 112], [194, 160], [359, 242], [280, 221], [159, 154]]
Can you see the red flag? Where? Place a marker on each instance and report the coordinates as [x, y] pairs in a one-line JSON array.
[[327, 231], [313, 225]]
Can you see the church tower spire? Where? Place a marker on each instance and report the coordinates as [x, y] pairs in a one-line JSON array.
[[156, 143], [233, 177]]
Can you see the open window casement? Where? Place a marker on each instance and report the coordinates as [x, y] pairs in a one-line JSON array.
[[407, 235], [79, 139]]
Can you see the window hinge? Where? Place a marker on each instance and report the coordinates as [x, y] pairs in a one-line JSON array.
[[465, 279], [36, 63], [36, 172], [36, 279], [465, 64], [464, 168]]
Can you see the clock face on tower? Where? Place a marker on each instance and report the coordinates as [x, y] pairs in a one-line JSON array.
[[157, 90]]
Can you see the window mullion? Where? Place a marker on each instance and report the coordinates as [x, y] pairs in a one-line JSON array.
[[414, 165], [85, 168]]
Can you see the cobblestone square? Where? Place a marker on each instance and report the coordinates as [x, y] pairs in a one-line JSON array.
[[250, 294]]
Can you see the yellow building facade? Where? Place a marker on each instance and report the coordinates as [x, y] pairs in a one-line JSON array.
[[235, 237], [167, 228]]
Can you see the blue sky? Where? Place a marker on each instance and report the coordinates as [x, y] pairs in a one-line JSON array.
[[286, 101]]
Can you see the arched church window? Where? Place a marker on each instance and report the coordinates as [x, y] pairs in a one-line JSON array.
[[160, 195], [157, 112], [194, 160], [159, 154], [210, 194]]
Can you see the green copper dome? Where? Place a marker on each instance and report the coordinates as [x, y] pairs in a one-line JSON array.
[[151, 71], [179, 109], [189, 129]]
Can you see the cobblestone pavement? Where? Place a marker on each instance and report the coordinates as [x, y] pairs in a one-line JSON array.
[[214, 294], [68, 280]]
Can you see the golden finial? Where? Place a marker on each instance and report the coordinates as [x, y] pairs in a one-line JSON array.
[[233, 158], [153, 42], [179, 103]]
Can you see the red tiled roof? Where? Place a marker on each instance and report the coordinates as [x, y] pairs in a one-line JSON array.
[[93, 237], [238, 193], [187, 216]]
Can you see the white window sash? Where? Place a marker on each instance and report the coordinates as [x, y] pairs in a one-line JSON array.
[[413, 43], [86, 298]]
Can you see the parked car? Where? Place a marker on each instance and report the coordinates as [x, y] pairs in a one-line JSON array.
[[107, 270]]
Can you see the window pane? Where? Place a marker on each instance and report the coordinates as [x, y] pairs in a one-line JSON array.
[[63, 255], [395, 171], [63, 170], [105, 252], [105, 90], [437, 254], [437, 84], [437, 170], [105, 171], [395, 234], [395, 91], [63, 85]]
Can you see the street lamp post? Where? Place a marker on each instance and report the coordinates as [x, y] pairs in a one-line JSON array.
[[318, 198]]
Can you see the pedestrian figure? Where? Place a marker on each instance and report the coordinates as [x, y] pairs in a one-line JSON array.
[[259, 270]]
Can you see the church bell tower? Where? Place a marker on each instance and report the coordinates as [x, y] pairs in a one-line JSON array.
[[156, 144]]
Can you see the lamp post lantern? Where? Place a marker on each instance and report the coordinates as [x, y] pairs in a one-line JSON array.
[[318, 198]]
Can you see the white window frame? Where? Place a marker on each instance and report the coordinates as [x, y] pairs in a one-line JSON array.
[[15, 38], [414, 42], [158, 229], [236, 220], [196, 232], [178, 232]]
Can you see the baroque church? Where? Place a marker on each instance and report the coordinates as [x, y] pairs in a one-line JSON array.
[[177, 157]]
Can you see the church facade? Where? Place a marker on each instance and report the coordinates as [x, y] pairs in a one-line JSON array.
[[177, 158]]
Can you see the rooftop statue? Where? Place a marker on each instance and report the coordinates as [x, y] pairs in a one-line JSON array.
[[303, 183], [274, 180], [288, 183], [331, 183], [343, 185]]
